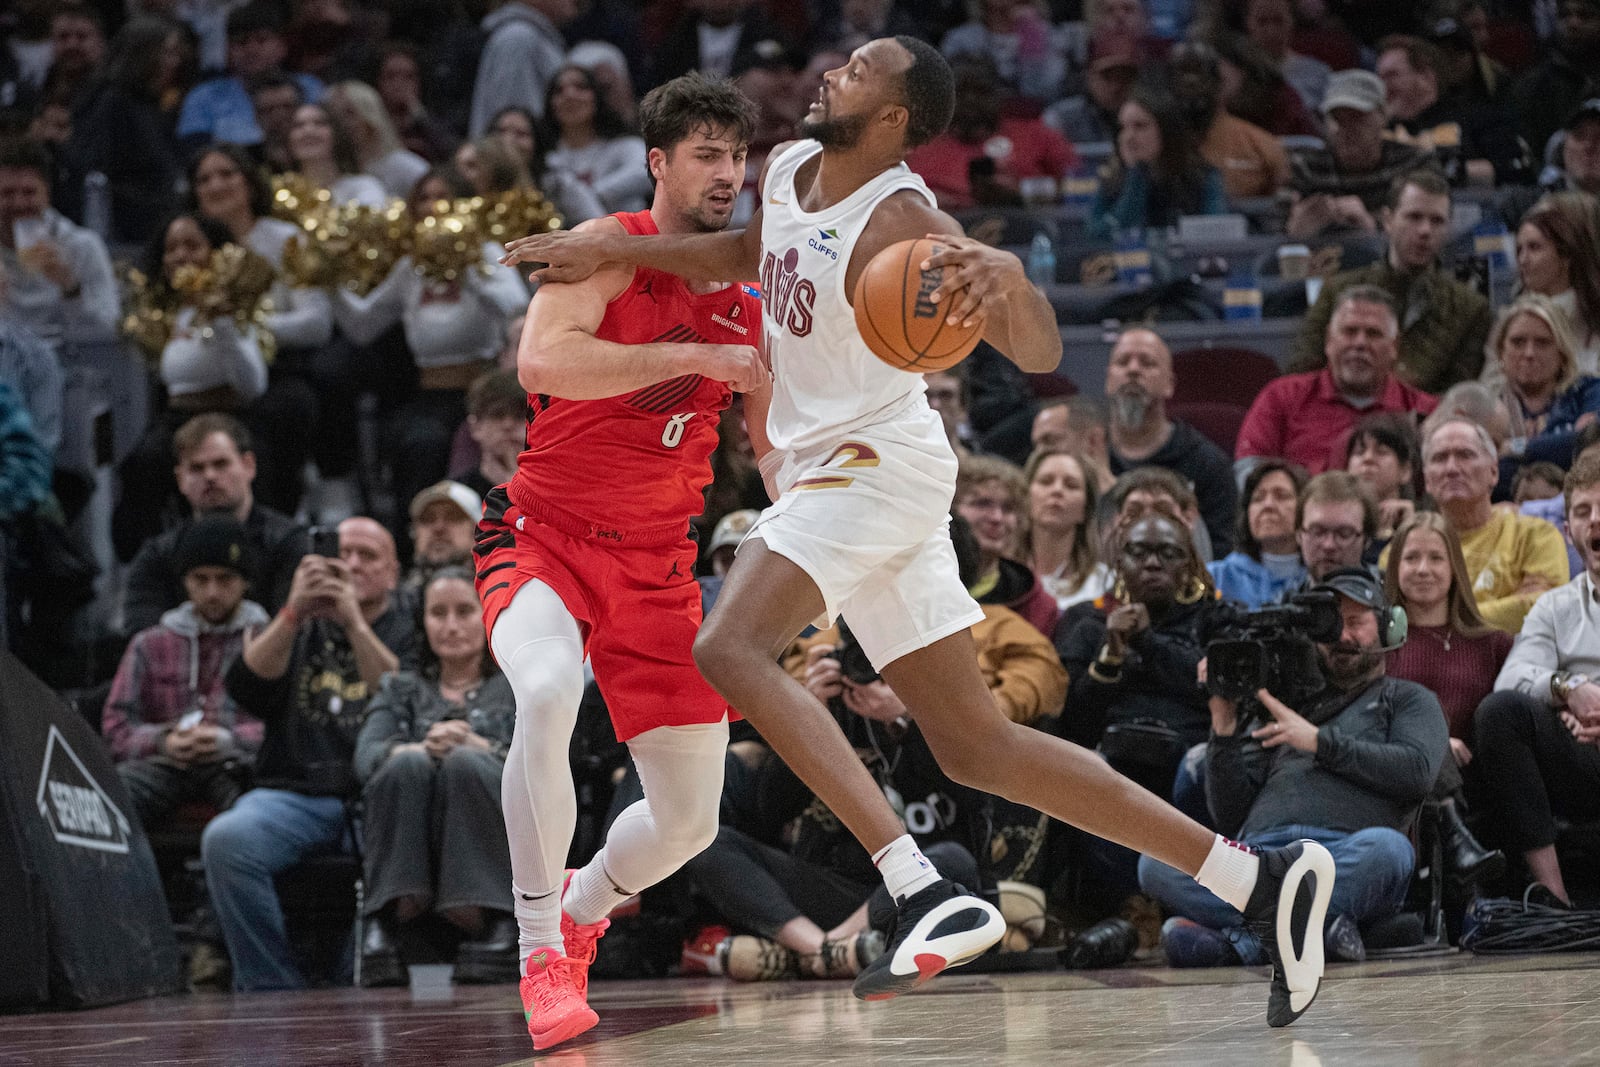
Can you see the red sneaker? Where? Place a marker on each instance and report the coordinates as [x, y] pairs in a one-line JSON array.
[[551, 1001], [580, 939]]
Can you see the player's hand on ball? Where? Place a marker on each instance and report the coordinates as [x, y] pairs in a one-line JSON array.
[[567, 256], [982, 277], [740, 366]]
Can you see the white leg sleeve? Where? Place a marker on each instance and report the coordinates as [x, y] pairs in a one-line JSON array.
[[537, 643], [680, 768]]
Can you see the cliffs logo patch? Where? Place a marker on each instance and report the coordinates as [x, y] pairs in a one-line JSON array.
[[77, 810], [820, 243]]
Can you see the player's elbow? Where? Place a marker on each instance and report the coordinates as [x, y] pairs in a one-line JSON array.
[[1042, 356]]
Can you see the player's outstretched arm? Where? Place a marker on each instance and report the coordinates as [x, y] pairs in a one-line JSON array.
[[729, 256], [987, 284], [559, 354]]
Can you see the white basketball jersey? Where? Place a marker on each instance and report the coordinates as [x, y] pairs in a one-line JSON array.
[[827, 382]]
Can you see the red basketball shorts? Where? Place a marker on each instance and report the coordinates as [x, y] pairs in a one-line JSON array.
[[638, 610]]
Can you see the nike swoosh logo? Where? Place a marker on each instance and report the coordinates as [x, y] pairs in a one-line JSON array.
[[775, 200]]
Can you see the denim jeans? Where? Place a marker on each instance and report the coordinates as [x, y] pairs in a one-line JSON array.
[[265, 833], [1372, 872]]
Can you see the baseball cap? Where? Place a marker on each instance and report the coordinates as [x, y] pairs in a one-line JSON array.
[[1109, 50], [214, 541], [1584, 112], [461, 496], [1359, 89], [1450, 33], [732, 528], [1357, 583]]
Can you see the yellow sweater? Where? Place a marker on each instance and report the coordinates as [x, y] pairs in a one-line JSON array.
[[1503, 553]]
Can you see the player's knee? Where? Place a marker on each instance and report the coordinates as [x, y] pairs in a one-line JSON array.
[[975, 758], [713, 655], [688, 832]]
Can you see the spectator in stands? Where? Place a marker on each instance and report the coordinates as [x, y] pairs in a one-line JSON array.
[[1144, 491], [60, 273], [1580, 150], [1139, 382], [378, 148], [1251, 161], [1157, 173], [455, 330], [497, 421], [1446, 322], [309, 374], [992, 496], [1534, 765], [220, 109], [1076, 424], [1108, 80], [1348, 769], [520, 57], [1476, 144], [589, 142], [1341, 187], [1013, 36], [947, 394], [33, 370], [208, 363], [860, 21], [609, 66], [1270, 24], [172, 729], [444, 518], [1477, 403], [518, 130], [24, 484], [986, 157], [1548, 399], [1255, 89], [121, 129], [708, 36], [1467, 77], [77, 50], [1565, 78], [1382, 455], [324, 153], [399, 84], [215, 470], [1265, 563], [1058, 539], [276, 96], [1511, 558], [1449, 648], [1137, 661], [429, 757], [308, 676], [1558, 255], [1306, 418], [1333, 524]]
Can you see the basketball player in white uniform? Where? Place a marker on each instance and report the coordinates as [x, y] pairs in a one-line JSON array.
[[863, 477]]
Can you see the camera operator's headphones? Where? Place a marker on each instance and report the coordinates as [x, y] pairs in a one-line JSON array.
[[1362, 586]]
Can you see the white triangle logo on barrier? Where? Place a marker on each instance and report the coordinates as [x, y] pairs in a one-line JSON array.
[[77, 810]]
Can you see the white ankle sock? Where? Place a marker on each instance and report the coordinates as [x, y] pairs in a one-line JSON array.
[[538, 921], [1230, 871], [592, 895], [904, 868]]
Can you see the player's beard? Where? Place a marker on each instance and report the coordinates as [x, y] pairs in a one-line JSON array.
[[843, 131]]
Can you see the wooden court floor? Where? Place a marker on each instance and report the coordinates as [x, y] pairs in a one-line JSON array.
[[1455, 1011]]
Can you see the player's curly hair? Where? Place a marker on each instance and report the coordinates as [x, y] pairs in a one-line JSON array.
[[672, 111]]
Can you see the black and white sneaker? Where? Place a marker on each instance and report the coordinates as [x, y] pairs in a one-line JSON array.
[[939, 926], [1288, 909]]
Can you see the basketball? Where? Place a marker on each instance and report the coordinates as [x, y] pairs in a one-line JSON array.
[[899, 322]]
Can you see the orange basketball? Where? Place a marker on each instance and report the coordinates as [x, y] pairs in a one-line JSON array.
[[898, 321]]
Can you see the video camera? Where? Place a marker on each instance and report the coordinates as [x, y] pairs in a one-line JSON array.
[[853, 662], [1273, 648]]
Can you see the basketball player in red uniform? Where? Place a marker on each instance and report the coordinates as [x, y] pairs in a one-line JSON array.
[[587, 550]]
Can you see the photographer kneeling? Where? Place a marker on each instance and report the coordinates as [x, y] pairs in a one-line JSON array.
[[1349, 770]]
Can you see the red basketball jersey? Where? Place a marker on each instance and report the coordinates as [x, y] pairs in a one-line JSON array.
[[633, 468]]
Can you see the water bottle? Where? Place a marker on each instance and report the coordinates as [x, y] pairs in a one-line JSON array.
[[97, 204], [1042, 261]]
